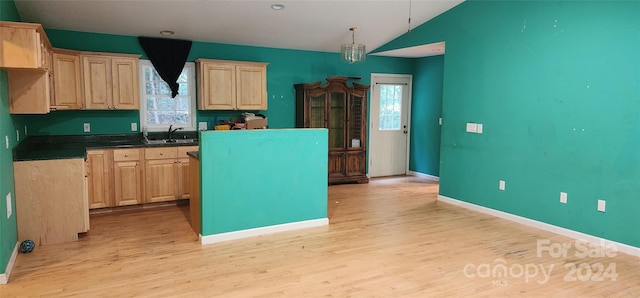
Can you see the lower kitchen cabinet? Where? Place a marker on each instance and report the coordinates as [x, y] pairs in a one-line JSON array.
[[119, 177], [127, 174], [167, 173], [99, 185], [51, 200], [161, 180]]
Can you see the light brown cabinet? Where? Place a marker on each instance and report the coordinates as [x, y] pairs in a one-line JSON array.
[[25, 53], [30, 91], [119, 177], [110, 81], [67, 80], [99, 178], [23, 46], [166, 173], [231, 85], [342, 109], [128, 177], [51, 200]]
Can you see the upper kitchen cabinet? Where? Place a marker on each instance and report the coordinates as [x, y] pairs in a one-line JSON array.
[[231, 85], [110, 81], [67, 80], [25, 53], [24, 46]]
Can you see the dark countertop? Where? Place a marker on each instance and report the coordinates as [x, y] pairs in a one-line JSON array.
[[194, 154], [65, 147]]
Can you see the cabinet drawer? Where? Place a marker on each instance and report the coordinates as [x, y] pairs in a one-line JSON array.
[[160, 153], [126, 154], [182, 150]]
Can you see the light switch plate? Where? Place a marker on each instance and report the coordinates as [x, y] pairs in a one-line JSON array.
[[87, 127], [440, 121], [6, 141], [479, 128], [502, 185], [602, 204], [563, 197], [472, 127], [134, 126], [202, 125], [9, 207]]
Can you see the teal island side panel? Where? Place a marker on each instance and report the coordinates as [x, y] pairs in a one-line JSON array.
[[258, 178]]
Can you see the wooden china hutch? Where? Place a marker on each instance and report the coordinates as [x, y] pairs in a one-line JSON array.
[[342, 109]]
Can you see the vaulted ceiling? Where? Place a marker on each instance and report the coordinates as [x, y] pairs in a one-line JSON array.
[[301, 24]]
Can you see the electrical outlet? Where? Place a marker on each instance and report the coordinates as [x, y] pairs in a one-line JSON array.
[[563, 197], [501, 185], [472, 127], [87, 127], [440, 121], [202, 125], [602, 204], [25, 130], [134, 126], [6, 141], [17, 135], [479, 128], [9, 207]]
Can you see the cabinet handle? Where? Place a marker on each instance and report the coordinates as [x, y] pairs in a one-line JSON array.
[[126, 155]]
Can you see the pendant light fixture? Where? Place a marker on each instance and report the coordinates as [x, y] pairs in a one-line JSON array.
[[352, 52]]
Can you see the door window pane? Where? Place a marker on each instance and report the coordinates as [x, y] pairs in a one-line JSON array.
[[390, 107]]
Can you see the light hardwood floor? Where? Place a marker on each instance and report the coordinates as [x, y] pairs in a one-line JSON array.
[[387, 238]]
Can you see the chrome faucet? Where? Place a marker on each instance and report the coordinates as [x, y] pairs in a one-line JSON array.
[[171, 131]]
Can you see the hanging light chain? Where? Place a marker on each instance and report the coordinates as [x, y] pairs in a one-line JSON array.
[[409, 29]]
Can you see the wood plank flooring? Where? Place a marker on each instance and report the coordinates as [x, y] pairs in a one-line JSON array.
[[388, 238]]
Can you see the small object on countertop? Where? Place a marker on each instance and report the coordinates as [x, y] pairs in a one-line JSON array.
[[27, 246]]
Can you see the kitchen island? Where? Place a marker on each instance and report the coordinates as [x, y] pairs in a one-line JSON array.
[[255, 182]]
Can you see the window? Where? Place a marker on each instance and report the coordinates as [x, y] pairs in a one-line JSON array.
[[157, 109], [390, 106]]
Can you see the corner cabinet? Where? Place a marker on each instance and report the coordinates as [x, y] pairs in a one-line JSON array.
[[231, 85], [342, 109]]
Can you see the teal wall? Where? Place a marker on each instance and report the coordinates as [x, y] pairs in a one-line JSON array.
[[426, 109], [257, 178], [286, 67], [556, 85], [8, 230]]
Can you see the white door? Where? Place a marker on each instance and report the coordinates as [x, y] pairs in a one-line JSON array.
[[389, 124]]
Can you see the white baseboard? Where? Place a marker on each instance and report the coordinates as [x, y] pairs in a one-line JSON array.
[[216, 238], [621, 247], [4, 277], [422, 175]]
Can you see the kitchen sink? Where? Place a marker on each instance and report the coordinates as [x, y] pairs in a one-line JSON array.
[[167, 141]]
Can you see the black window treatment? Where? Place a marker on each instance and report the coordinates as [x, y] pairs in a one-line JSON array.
[[168, 56]]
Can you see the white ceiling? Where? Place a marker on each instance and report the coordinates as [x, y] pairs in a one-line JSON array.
[[302, 24]]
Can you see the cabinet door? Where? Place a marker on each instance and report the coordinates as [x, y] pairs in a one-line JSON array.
[[251, 88], [97, 82], [337, 165], [356, 163], [183, 178], [19, 48], [126, 86], [29, 92], [128, 183], [98, 174], [356, 136], [336, 119], [160, 180], [66, 82], [217, 83]]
